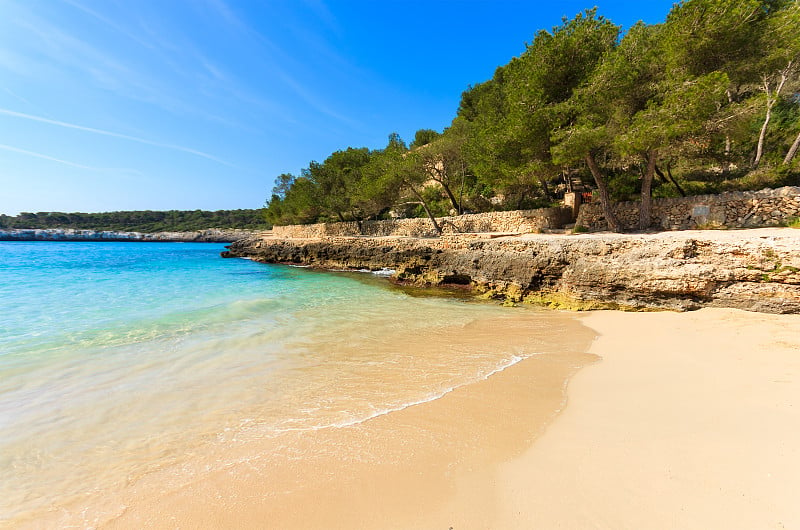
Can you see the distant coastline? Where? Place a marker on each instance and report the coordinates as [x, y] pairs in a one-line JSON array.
[[211, 235]]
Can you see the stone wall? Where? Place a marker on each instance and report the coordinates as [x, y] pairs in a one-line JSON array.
[[748, 209], [517, 222]]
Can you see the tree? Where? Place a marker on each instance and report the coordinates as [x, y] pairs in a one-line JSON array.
[[629, 83], [405, 171], [512, 116], [730, 37], [581, 130], [338, 180], [675, 114], [487, 150], [283, 184], [780, 62], [783, 59], [443, 161], [423, 137], [299, 206], [652, 107]]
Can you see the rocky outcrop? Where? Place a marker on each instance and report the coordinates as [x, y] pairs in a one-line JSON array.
[[756, 270], [212, 235]]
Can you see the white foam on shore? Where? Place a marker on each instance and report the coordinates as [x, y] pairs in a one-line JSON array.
[[379, 272], [383, 412]]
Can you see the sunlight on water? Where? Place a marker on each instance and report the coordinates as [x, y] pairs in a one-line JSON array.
[[118, 359]]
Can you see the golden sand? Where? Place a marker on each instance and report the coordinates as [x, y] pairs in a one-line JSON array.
[[691, 420], [688, 420]]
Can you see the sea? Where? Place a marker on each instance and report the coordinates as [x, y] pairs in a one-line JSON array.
[[122, 359]]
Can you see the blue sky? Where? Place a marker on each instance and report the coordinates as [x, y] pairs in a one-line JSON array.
[[199, 104]]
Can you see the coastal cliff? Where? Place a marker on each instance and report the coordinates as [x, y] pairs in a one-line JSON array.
[[211, 235], [755, 270]]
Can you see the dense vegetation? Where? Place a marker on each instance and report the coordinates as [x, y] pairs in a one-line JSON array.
[[139, 221], [705, 102]]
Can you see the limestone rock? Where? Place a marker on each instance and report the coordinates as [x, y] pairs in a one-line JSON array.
[[678, 270]]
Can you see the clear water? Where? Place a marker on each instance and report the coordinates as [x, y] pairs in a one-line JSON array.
[[120, 359]]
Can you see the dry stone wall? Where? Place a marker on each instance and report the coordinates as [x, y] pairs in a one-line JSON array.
[[749, 209], [517, 222]]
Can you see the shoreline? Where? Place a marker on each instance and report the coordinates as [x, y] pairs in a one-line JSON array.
[[672, 420], [754, 269], [399, 469], [613, 420]]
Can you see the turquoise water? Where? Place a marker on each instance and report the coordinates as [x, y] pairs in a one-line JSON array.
[[121, 359]]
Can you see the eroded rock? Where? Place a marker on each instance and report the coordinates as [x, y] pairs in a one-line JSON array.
[[677, 271]]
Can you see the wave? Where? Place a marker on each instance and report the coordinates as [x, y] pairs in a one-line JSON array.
[[397, 408]]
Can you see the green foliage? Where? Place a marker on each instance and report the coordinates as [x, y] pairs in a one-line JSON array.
[[424, 137], [139, 221], [705, 36], [764, 177], [686, 100]]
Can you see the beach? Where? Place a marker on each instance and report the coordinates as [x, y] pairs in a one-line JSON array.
[[689, 421], [669, 420]]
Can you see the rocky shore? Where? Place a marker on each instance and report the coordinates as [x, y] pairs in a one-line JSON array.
[[211, 235], [755, 270]]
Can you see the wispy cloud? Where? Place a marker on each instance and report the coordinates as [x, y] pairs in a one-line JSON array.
[[15, 95], [53, 159], [102, 132], [110, 23], [52, 50], [280, 59]]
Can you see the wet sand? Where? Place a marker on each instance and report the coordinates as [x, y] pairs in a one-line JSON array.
[[430, 465], [672, 420]]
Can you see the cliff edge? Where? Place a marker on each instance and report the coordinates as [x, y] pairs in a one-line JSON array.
[[755, 270]]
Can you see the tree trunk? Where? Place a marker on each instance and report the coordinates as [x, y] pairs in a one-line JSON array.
[[427, 210], [792, 150], [727, 136], [440, 175], [461, 191], [521, 199], [761, 136], [646, 206], [772, 98], [545, 187], [670, 179], [605, 198], [452, 197]]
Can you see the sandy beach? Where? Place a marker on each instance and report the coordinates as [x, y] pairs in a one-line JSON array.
[[670, 420], [691, 420]]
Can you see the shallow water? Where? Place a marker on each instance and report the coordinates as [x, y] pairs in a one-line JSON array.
[[121, 359]]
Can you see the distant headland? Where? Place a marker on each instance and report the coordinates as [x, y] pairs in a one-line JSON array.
[[211, 235], [172, 225]]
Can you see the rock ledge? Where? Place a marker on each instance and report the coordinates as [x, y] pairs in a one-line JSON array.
[[755, 270]]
